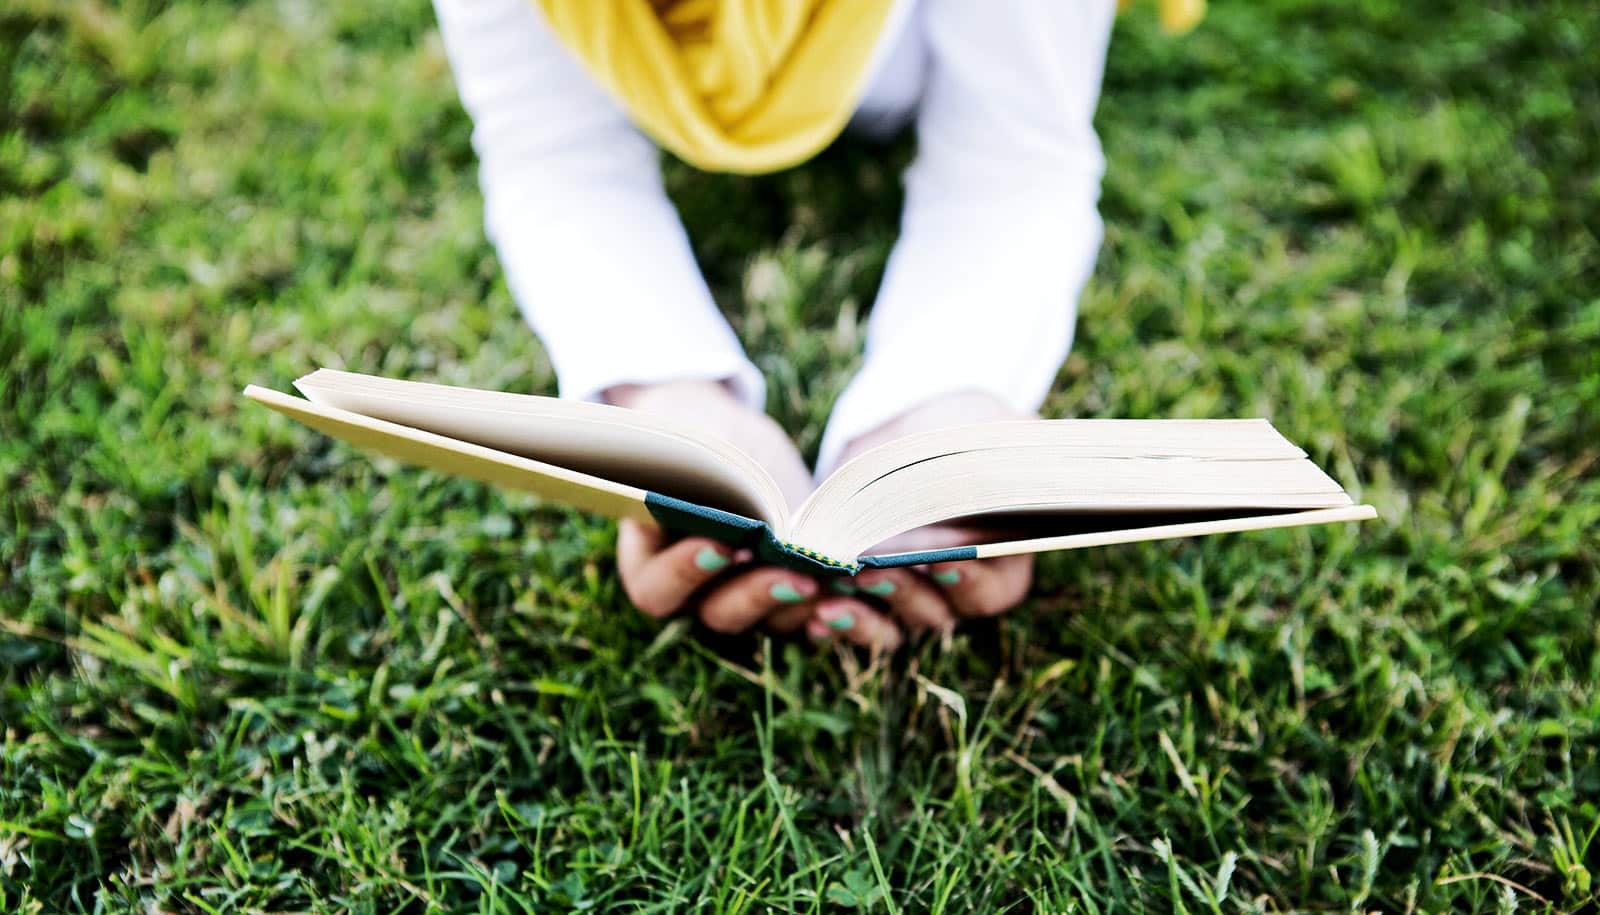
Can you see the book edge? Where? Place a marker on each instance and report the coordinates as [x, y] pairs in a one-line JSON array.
[[1180, 530], [630, 501]]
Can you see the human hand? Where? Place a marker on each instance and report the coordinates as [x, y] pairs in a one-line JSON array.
[[938, 596], [663, 576]]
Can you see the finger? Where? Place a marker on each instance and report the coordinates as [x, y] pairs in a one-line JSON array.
[[985, 587], [660, 579], [850, 620], [913, 599], [790, 619], [747, 599], [637, 542]]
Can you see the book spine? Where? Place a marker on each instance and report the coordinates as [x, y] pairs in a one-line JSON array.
[[921, 557], [742, 533]]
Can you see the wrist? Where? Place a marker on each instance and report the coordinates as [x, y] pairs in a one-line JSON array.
[[651, 397], [957, 408]]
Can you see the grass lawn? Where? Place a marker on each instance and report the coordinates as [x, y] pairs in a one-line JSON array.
[[243, 669]]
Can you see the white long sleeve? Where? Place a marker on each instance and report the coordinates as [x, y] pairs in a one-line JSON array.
[[593, 249], [1000, 230], [998, 236]]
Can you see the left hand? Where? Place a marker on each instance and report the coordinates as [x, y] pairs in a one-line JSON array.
[[935, 597]]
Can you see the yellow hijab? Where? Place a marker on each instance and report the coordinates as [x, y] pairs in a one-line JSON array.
[[750, 86], [746, 86], [1177, 16]]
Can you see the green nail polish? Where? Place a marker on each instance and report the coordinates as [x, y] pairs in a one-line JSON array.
[[785, 592], [882, 588], [840, 586], [948, 577], [842, 623], [710, 560]]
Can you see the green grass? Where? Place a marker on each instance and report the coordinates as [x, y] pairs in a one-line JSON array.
[[243, 669]]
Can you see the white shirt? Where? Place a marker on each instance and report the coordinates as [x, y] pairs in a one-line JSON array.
[[998, 235]]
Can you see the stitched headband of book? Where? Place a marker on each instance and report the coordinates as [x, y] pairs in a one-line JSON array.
[[1056, 484]]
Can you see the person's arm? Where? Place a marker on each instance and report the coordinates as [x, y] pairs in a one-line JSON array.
[[598, 261], [593, 249], [1000, 230], [999, 234]]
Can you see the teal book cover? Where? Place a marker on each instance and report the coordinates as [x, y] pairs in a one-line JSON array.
[[741, 532]]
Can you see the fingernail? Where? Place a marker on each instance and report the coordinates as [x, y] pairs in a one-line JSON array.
[[947, 577], [710, 560], [882, 588], [785, 592], [837, 618], [841, 586]]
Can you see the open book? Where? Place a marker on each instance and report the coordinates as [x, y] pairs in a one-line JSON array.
[[1038, 484]]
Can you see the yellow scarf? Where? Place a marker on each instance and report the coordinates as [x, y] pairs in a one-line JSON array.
[[752, 86], [747, 86], [1177, 16]]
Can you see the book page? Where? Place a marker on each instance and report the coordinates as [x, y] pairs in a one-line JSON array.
[[458, 458], [1172, 529], [1139, 528], [1062, 468], [626, 446]]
